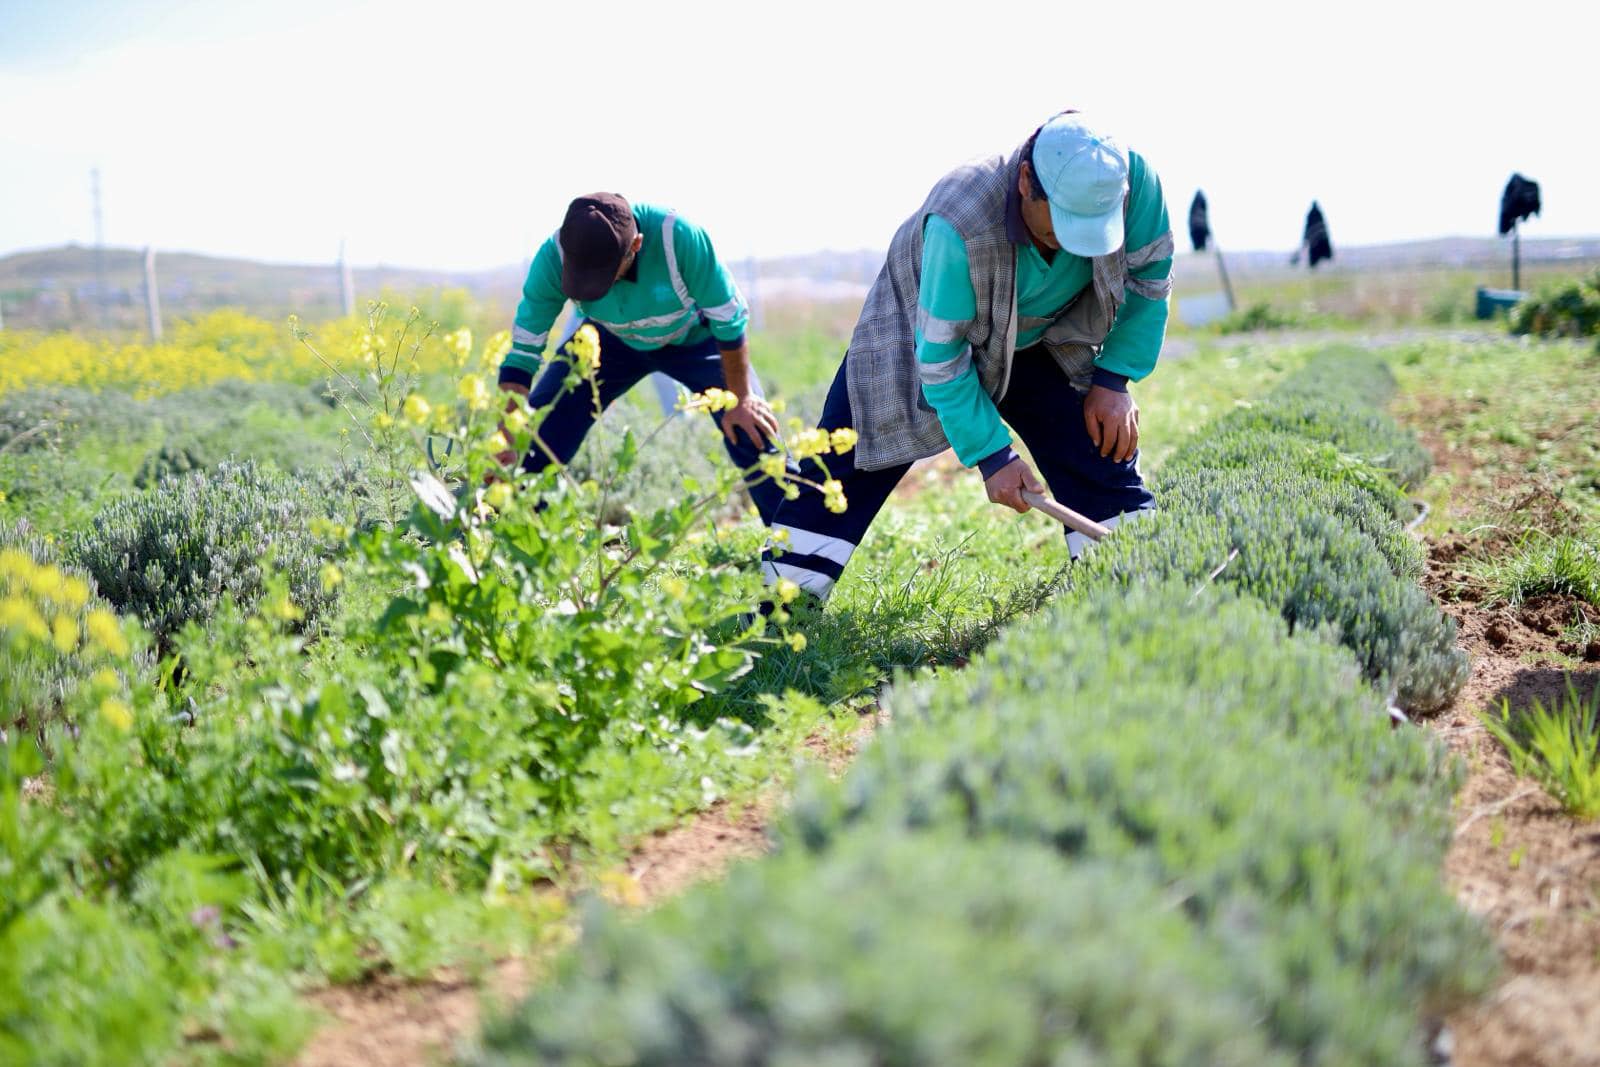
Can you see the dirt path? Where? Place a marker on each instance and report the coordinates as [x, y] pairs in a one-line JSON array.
[[389, 1022], [1530, 871]]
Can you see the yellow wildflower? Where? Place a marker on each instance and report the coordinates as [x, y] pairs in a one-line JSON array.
[[843, 439], [382, 420], [833, 495], [105, 678], [585, 349], [459, 342], [64, 632], [813, 442], [106, 632], [772, 465], [497, 496], [286, 610], [720, 400], [516, 420], [74, 592], [331, 577], [116, 713], [786, 590], [438, 613], [475, 392], [417, 409], [674, 587], [797, 642], [495, 349], [779, 405]]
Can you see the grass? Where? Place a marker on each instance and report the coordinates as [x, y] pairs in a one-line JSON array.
[[1541, 563], [1558, 747]]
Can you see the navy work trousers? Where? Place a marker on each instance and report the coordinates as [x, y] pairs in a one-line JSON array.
[[1040, 405], [696, 366]]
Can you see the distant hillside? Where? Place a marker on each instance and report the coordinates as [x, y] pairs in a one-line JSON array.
[[57, 288]]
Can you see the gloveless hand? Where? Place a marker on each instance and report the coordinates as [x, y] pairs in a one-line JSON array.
[[755, 418], [1005, 485], [1112, 419]]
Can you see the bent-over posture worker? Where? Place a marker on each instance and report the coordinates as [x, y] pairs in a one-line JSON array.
[[1024, 295], [651, 284]]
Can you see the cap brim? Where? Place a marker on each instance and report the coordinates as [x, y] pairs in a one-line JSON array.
[[1088, 235], [587, 283]]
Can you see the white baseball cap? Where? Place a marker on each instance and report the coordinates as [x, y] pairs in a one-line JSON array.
[[1085, 178]]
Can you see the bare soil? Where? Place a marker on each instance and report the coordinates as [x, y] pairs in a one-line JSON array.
[[1531, 872]]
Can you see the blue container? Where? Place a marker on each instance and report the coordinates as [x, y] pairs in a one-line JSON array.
[[1492, 302]]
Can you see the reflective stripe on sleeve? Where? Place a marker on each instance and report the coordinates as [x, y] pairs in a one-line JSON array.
[[947, 371], [940, 331]]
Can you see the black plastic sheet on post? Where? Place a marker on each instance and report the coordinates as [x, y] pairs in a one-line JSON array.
[[1199, 225], [1520, 200], [1316, 243]]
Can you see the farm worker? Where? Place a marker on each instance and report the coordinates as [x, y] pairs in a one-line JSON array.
[[652, 286], [1023, 296]]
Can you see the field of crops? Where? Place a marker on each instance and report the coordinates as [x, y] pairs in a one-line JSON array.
[[296, 697]]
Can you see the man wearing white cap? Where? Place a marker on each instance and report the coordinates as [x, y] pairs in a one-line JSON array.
[[1027, 291]]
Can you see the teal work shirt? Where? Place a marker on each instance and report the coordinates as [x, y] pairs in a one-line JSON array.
[[946, 305], [676, 293]]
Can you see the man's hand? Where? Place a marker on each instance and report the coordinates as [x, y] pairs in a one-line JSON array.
[[1112, 419], [1005, 485], [755, 418]]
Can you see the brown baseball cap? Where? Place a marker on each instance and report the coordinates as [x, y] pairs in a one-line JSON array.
[[596, 235]]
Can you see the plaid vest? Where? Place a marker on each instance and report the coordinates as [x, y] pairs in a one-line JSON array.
[[895, 424]]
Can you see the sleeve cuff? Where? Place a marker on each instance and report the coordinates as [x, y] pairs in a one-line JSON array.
[[728, 344], [989, 465], [510, 375], [1110, 379]]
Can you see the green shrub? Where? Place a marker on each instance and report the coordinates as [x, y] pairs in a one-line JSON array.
[[1305, 561], [1190, 735], [45, 417], [1348, 430], [895, 950], [170, 555], [1165, 752], [1569, 308], [1258, 316], [172, 460]]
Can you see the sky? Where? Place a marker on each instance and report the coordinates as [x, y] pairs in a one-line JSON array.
[[451, 135]]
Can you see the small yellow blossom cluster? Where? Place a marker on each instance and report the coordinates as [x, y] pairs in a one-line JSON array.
[[712, 399], [584, 348], [475, 391], [417, 409], [459, 344], [833, 495], [819, 442], [43, 610]]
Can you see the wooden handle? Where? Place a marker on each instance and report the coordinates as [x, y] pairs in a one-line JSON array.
[[1066, 516]]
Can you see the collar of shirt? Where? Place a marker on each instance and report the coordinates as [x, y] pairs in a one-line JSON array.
[[1016, 229]]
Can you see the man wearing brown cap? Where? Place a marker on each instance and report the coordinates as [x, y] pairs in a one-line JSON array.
[[652, 286]]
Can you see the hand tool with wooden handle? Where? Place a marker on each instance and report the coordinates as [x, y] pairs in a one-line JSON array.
[[1066, 516]]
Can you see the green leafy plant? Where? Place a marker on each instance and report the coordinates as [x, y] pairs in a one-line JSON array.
[[170, 556], [1557, 746], [1569, 308]]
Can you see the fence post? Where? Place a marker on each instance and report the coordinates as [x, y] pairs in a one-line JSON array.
[[152, 298], [347, 287]]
